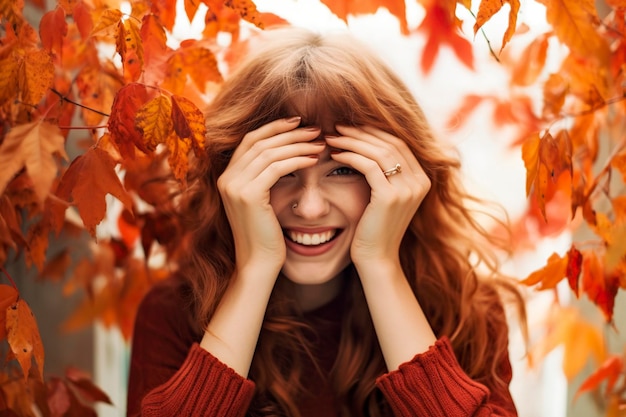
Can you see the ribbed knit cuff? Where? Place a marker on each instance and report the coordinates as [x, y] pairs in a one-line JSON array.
[[434, 384], [203, 386]]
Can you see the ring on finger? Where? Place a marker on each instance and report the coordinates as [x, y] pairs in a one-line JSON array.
[[393, 171]]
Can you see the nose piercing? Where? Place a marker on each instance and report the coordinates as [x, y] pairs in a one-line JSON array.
[[294, 206]]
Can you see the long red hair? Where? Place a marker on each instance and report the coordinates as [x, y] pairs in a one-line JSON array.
[[442, 252]]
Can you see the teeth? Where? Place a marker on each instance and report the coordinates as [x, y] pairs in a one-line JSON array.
[[312, 239]]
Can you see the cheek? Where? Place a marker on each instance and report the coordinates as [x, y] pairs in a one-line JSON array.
[[279, 199], [358, 199]]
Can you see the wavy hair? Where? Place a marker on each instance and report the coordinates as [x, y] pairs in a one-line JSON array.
[[442, 251]]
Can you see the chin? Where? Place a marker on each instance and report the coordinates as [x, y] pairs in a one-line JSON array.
[[312, 274]]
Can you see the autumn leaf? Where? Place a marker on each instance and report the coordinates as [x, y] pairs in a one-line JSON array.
[[82, 17], [572, 23], [156, 51], [84, 386], [23, 336], [52, 29], [106, 25], [166, 11], [87, 181], [188, 123], [580, 339], [344, 8], [96, 88], [130, 48], [545, 159], [8, 297], [598, 284], [32, 146], [609, 371], [551, 274], [488, 8], [193, 61], [127, 102], [440, 31], [154, 121]]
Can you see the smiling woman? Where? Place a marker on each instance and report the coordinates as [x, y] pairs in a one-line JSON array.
[[326, 269]]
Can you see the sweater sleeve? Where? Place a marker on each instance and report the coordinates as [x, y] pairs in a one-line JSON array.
[[434, 384], [170, 374]]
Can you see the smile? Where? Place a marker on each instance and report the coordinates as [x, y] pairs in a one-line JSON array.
[[311, 239]]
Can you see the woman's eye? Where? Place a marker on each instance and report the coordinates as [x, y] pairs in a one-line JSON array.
[[344, 171]]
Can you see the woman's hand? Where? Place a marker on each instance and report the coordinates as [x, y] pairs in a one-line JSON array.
[[264, 155], [394, 198]]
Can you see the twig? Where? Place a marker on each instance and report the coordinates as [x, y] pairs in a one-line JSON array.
[[491, 51], [9, 277], [78, 104]]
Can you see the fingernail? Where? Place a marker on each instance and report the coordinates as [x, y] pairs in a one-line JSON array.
[[330, 137], [335, 151], [311, 128], [293, 119], [314, 156], [318, 142]]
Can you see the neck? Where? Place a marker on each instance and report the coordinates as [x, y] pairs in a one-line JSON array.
[[310, 297]]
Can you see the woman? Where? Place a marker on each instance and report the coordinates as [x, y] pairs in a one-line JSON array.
[[328, 269]]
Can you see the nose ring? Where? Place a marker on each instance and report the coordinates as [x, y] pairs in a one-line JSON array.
[[293, 207]]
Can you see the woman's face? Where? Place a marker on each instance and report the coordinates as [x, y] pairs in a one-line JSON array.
[[318, 232]]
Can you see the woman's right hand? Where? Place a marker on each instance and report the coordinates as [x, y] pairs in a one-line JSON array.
[[263, 156]]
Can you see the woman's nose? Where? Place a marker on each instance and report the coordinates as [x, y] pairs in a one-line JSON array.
[[312, 203]]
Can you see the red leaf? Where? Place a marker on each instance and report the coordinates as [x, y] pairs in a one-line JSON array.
[[574, 263], [126, 137], [52, 29]]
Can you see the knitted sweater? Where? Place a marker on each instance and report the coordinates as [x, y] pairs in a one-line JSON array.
[[171, 375]]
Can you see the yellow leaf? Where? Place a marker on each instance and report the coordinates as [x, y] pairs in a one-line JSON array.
[[32, 145], [9, 68], [107, 23], [154, 119]]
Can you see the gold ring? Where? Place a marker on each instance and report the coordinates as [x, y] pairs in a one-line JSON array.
[[393, 171]]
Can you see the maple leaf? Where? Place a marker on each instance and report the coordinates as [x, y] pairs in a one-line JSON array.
[[572, 21], [81, 14], [581, 340], [440, 30], [52, 30], [193, 61], [106, 25], [166, 11], [96, 88], [551, 274], [32, 146], [598, 284], [89, 178], [573, 270], [8, 297], [343, 8], [156, 51], [130, 47], [247, 10], [23, 336], [545, 159], [188, 123], [610, 370], [124, 135], [154, 121], [488, 8]]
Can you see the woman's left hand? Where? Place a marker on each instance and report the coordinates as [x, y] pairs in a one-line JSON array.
[[394, 198]]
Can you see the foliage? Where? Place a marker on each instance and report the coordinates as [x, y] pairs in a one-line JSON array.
[[80, 124]]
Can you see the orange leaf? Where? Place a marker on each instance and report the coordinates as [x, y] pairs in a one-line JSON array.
[[189, 123], [166, 10], [89, 178], [52, 29], [24, 338], [601, 287], [574, 263], [551, 274], [107, 23], [343, 8], [193, 61], [32, 146], [247, 10], [155, 49], [610, 370], [130, 47], [488, 8], [572, 22], [580, 339], [440, 30], [122, 121], [8, 297], [82, 16], [154, 121], [36, 76], [528, 67]]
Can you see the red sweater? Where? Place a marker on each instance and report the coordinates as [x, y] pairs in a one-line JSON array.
[[171, 375]]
